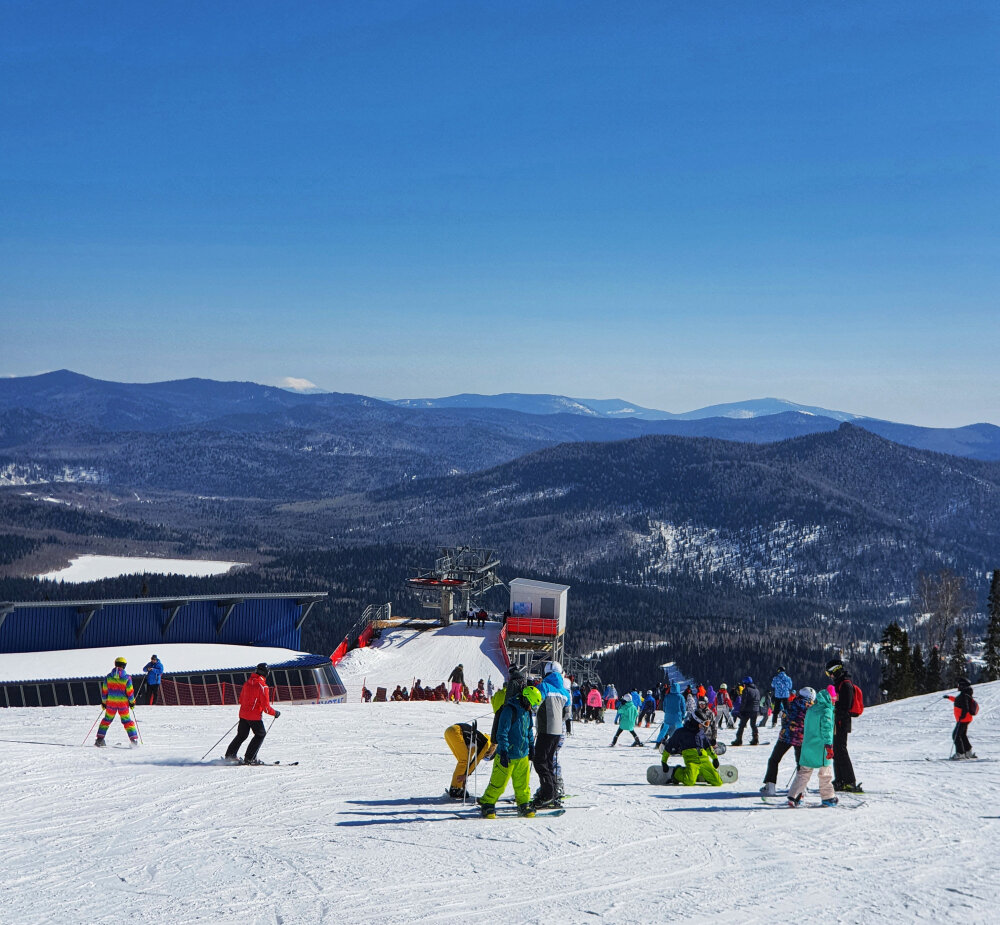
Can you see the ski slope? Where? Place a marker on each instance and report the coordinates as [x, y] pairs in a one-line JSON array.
[[358, 831], [403, 655]]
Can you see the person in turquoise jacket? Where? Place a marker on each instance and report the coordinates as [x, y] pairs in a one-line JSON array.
[[515, 748], [626, 717], [817, 752], [674, 710]]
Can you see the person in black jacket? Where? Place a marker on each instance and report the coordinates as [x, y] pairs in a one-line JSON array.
[[843, 770], [749, 710], [965, 710]]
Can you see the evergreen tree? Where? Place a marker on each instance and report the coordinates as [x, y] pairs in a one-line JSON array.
[[897, 672], [991, 653], [932, 673], [919, 672], [956, 664]]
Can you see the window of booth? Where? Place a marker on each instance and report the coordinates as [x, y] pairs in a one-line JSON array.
[[548, 608], [62, 694], [78, 691], [30, 693]]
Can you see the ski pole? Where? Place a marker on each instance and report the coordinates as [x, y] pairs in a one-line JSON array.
[[138, 692], [96, 721], [138, 731], [231, 728], [473, 743]]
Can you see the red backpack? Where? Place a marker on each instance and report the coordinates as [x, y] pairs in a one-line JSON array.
[[857, 706]]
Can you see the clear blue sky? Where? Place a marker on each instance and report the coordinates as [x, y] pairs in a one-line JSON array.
[[676, 203]]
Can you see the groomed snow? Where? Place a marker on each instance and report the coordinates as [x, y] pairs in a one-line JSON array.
[[96, 568], [358, 832], [404, 655]]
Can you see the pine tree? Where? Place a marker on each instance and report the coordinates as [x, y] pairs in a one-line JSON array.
[[956, 664], [897, 672], [919, 672], [991, 653], [932, 673]]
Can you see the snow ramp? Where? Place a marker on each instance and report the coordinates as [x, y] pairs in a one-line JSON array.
[[404, 654]]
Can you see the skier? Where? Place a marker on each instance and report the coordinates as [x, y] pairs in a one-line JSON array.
[[457, 679], [154, 671], [118, 696], [724, 707], [792, 721], [843, 769], [515, 747], [673, 713], [610, 697], [577, 697], [550, 727], [965, 709], [625, 717], [254, 701], [459, 739], [692, 743], [648, 709], [781, 684], [690, 701], [595, 706], [817, 752], [749, 708]]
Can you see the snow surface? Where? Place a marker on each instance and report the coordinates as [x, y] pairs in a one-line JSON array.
[[96, 568], [175, 656], [359, 832], [403, 655]]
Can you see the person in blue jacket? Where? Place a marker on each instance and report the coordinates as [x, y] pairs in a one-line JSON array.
[[781, 684], [154, 672], [515, 748], [674, 710], [550, 734], [647, 710]]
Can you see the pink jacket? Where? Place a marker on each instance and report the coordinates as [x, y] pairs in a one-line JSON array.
[[594, 698]]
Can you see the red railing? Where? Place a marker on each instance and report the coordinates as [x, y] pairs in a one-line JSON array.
[[503, 647], [178, 693], [339, 653], [532, 626]]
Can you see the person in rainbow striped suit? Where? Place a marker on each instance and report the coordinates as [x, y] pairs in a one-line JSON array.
[[117, 696]]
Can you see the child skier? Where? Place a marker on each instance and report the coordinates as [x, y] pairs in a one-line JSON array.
[[647, 711], [817, 752], [792, 724], [515, 746], [118, 696], [965, 709], [626, 717]]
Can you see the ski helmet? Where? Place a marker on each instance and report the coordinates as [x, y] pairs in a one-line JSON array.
[[262, 669], [649, 693], [553, 666], [807, 693], [723, 687], [748, 680], [834, 665], [780, 668], [121, 661], [533, 696]]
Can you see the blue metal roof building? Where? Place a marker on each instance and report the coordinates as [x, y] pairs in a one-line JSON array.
[[273, 620]]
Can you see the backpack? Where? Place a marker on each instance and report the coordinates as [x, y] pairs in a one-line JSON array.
[[857, 706], [973, 706]]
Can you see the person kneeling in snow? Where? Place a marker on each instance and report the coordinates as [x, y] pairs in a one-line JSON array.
[[817, 752], [691, 742], [467, 755], [515, 749]]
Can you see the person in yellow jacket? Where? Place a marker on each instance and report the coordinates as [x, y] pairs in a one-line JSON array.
[[467, 754], [118, 697]]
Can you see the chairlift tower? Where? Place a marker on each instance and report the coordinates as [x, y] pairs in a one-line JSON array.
[[461, 575]]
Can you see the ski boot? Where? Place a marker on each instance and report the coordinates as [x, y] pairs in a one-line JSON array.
[[736, 742], [252, 761], [561, 790], [488, 810], [794, 803], [833, 801], [231, 759], [100, 743], [636, 745], [971, 755], [851, 788], [768, 790], [526, 810], [133, 743]]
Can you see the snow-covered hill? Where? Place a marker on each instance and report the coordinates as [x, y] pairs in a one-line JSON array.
[[358, 832]]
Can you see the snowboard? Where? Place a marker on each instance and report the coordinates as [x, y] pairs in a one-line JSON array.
[[512, 815], [658, 774]]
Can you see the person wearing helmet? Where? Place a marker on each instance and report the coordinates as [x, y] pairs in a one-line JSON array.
[[843, 768], [792, 723], [816, 752], [118, 696], [515, 747], [551, 726], [749, 710], [724, 707], [781, 685], [255, 700], [647, 711], [626, 717], [692, 743]]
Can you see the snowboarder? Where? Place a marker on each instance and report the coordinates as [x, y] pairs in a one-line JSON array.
[[965, 709], [625, 717], [254, 700], [459, 739], [647, 711], [515, 747], [550, 727], [456, 679], [790, 737], [749, 708], [154, 672], [843, 769], [817, 752], [781, 685], [118, 697], [674, 709], [692, 743]]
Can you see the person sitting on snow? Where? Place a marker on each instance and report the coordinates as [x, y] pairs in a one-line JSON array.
[[692, 744]]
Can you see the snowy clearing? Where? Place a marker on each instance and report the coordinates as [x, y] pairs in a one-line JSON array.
[[359, 832], [96, 568]]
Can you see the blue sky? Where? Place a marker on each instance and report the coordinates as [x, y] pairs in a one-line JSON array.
[[676, 203]]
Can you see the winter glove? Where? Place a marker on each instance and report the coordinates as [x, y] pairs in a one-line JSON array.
[[503, 758], [131, 703], [277, 713], [829, 752], [715, 762]]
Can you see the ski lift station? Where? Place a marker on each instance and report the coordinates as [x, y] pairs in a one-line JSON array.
[[56, 653], [536, 627]]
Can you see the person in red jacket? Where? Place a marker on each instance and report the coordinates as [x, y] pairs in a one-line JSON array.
[[254, 701], [965, 709]]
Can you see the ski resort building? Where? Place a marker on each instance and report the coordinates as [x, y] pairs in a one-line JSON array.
[[536, 627], [56, 653]]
